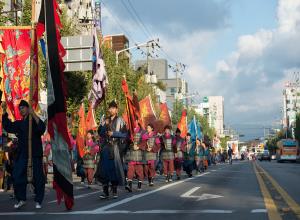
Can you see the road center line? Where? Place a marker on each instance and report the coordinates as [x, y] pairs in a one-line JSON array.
[[269, 202], [288, 199]]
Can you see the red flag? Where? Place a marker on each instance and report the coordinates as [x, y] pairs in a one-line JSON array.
[[146, 111], [90, 121], [80, 138], [57, 120], [15, 60], [130, 116], [182, 124], [164, 114]]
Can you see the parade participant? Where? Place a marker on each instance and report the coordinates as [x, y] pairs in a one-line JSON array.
[[90, 150], [199, 156], [20, 128], [168, 154], [178, 145], [188, 155], [152, 146], [205, 156], [135, 159], [110, 167]]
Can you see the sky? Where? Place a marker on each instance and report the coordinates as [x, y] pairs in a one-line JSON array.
[[242, 50]]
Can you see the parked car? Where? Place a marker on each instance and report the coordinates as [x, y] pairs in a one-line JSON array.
[[265, 155]]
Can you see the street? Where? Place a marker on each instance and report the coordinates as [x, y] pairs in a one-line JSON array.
[[223, 192]]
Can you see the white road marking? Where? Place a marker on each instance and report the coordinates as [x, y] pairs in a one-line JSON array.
[[79, 196], [204, 196], [258, 211], [189, 193], [204, 211], [126, 200]]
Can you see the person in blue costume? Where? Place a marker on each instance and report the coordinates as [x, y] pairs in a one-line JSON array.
[[110, 168], [188, 155], [21, 129]]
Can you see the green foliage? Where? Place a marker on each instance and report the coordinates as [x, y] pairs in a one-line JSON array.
[[272, 141], [26, 15], [223, 142], [297, 127], [69, 27], [78, 85], [4, 18]]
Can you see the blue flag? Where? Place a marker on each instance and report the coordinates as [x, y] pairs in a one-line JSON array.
[[195, 129]]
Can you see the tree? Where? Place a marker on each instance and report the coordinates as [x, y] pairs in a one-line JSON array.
[[297, 127], [26, 14], [5, 18]]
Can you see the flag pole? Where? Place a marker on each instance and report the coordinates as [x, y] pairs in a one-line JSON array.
[[32, 63], [128, 112]]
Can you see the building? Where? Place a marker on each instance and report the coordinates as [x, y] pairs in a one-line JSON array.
[[158, 67], [175, 88], [212, 108], [117, 43], [291, 104]]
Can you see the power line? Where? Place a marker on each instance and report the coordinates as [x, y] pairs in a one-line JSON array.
[[119, 24], [132, 15], [140, 20]]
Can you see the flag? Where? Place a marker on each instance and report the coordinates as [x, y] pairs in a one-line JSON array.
[[147, 111], [80, 138], [15, 60], [182, 124], [90, 121], [131, 116], [195, 129], [57, 120], [100, 79], [164, 114]]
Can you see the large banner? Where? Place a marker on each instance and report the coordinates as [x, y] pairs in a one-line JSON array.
[[147, 111], [15, 60]]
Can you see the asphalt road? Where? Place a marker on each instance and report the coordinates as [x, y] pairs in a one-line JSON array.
[[223, 192]]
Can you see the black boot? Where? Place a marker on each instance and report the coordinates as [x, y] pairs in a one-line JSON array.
[[105, 193], [129, 186], [140, 185], [170, 178], [114, 191], [167, 179]]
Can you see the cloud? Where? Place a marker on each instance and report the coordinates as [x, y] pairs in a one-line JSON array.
[[175, 17], [260, 65]]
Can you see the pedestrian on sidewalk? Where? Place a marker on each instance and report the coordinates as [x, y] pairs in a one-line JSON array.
[[205, 156], [178, 146], [20, 128], [188, 155], [152, 147]]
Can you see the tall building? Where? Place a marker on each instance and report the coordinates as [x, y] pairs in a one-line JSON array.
[[291, 104], [212, 108]]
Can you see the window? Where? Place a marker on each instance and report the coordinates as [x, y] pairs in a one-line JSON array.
[[172, 91]]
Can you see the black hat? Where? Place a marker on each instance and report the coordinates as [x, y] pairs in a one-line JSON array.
[[177, 130], [113, 104], [24, 104]]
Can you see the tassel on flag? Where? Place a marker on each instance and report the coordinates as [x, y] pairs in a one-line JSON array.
[[57, 120]]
